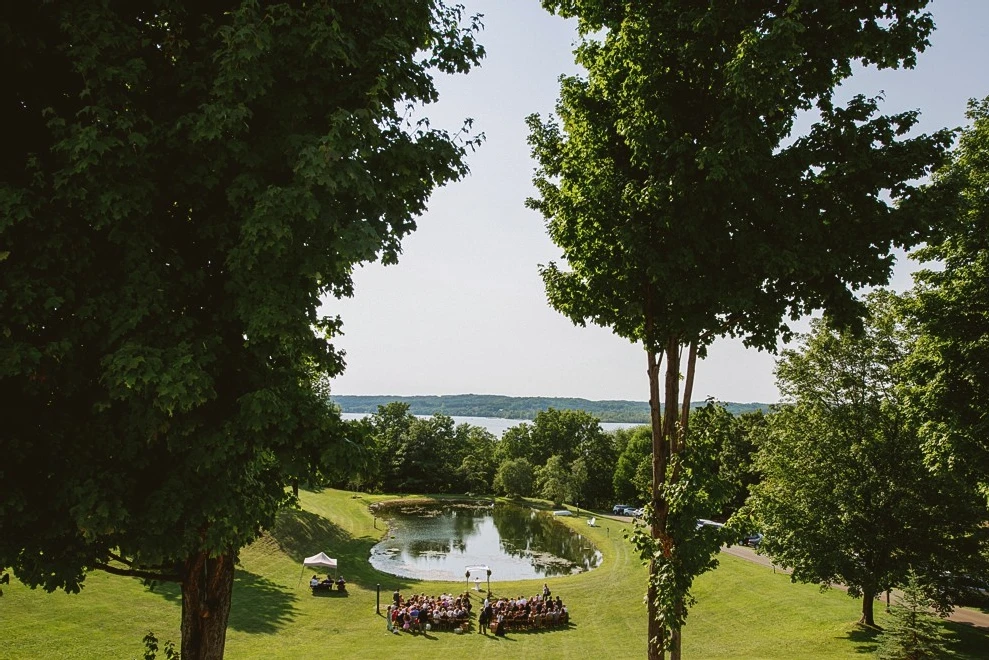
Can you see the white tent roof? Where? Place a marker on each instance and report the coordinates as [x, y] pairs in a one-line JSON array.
[[320, 560]]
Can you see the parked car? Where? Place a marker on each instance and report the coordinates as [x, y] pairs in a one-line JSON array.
[[703, 522], [619, 509], [636, 513], [752, 540]]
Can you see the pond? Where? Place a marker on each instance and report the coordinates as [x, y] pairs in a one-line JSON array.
[[438, 542]]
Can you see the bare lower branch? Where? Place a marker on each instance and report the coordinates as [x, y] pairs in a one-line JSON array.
[[140, 573]]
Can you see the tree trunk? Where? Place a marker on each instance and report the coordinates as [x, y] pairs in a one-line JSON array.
[[868, 598], [657, 641], [295, 488], [675, 644], [207, 587]]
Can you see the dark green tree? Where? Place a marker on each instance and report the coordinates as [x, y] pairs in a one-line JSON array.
[[949, 310], [564, 433], [555, 481], [845, 496], [515, 477], [477, 467], [685, 207], [634, 460], [180, 186]]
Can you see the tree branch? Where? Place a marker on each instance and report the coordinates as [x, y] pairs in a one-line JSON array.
[[146, 574]]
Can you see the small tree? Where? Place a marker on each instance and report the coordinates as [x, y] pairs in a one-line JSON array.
[[913, 632]]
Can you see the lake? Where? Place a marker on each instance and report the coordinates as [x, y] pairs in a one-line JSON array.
[[498, 425], [439, 541]]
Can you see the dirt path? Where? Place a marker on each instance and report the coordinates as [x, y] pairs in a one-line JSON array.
[[960, 615]]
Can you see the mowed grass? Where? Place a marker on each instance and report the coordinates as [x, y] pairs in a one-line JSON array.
[[743, 609]]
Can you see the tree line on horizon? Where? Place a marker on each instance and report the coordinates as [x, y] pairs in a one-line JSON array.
[[514, 407]]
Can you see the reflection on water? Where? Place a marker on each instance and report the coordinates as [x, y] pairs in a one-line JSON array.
[[438, 542]]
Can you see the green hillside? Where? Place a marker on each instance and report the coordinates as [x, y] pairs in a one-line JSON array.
[[744, 610], [514, 407]]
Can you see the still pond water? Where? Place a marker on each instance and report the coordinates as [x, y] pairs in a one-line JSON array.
[[438, 542]]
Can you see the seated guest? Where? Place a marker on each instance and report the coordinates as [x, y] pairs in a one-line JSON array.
[[341, 583], [314, 582]]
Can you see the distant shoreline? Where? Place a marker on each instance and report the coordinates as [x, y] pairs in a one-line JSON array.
[[521, 408]]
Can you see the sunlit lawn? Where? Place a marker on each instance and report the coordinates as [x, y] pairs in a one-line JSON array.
[[743, 610]]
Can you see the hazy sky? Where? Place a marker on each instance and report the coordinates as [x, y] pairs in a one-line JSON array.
[[464, 311]]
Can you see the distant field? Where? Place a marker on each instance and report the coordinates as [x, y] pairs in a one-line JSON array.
[[512, 407], [743, 611]]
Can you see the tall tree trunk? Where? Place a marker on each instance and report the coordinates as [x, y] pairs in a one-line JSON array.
[[657, 640], [676, 637], [207, 587], [295, 487], [680, 435], [868, 598], [671, 440]]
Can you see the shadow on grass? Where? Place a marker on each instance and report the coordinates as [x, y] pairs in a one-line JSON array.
[[260, 605], [964, 641], [865, 639], [300, 533]]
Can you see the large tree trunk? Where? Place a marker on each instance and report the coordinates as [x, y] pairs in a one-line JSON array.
[[207, 587], [868, 598]]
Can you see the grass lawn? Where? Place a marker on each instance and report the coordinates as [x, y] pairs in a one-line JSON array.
[[743, 609]]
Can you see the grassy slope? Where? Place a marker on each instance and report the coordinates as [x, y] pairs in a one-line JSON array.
[[743, 610]]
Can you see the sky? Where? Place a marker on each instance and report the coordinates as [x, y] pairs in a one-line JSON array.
[[464, 310]]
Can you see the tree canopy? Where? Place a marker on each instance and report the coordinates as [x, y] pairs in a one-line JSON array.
[[181, 185]]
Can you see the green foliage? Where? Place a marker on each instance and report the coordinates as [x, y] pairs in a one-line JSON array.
[[151, 648], [576, 438], [949, 309], [705, 487], [431, 455], [913, 632], [554, 481], [685, 197], [845, 495], [182, 183], [515, 477], [633, 470], [515, 407]]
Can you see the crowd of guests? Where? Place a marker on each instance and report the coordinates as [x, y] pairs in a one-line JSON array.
[[539, 611], [419, 613]]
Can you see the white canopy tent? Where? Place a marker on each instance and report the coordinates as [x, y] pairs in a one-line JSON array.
[[322, 560]]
